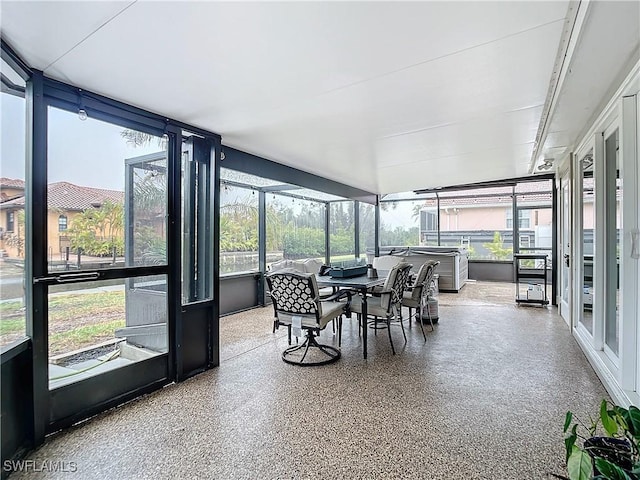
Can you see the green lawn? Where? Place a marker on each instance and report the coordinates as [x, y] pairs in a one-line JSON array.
[[84, 336], [11, 325], [76, 320]]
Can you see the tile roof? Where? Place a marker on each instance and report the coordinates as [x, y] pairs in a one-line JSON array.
[[67, 196], [11, 183]]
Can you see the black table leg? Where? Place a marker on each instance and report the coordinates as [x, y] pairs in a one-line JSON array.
[[364, 321]]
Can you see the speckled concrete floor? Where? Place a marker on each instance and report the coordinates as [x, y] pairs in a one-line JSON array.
[[483, 398]]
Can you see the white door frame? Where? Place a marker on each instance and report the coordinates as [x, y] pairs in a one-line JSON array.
[[630, 263], [565, 259]]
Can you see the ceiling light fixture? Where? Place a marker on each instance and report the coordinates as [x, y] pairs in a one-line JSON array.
[[546, 164], [82, 113]]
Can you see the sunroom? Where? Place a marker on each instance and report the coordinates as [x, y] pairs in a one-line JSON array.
[[158, 158]]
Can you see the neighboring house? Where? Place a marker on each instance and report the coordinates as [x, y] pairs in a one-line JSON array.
[[11, 231], [10, 188], [65, 202], [472, 220]]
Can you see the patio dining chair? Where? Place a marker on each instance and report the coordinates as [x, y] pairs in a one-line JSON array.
[[297, 304], [388, 305], [417, 296]]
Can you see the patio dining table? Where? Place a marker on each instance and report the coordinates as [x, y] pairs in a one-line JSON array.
[[360, 284]]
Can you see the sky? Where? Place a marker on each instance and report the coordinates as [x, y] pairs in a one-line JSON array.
[[92, 153], [88, 153]]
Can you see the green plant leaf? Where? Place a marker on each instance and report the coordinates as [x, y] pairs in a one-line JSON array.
[[634, 421], [579, 465], [608, 423], [610, 471], [570, 441], [567, 421]]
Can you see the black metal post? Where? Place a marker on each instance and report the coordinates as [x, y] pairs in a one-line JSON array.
[[327, 233], [35, 261], [516, 221], [376, 236], [174, 250], [356, 226], [262, 244], [438, 213], [214, 337]]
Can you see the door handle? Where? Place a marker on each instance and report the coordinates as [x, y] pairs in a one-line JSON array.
[[566, 259], [69, 277]]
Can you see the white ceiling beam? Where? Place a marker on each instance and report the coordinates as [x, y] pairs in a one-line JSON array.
[[574, 22]]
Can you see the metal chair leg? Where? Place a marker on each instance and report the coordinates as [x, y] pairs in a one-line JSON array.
[[402, 324], [389, 331], [419, 320], [429, 314]]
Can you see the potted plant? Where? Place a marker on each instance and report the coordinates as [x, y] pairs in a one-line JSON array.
[[615, 456]]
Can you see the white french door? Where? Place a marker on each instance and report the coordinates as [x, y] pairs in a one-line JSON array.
[[565, 247]]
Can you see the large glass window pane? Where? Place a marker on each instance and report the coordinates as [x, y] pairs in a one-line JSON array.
[[367, 229], [146, 210], [588, 239], [12, 202], [400, 223], [110, 183], [535, 217], [429, 223], [295, 228], [238, 229], [99, 326], [342, 240], [479, 220], [613, 222]]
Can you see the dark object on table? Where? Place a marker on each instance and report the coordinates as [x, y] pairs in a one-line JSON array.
[[347, 272], [324, 270]]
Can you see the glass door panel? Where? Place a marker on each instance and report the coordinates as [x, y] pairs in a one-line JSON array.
[[587, 260], [88, 195], [613, 226], [146, 210], [95, 327], [106, 210]]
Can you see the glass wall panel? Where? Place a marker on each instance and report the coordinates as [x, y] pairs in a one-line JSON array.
[[238, 229], [613, 222], [342, 240], [295, 228], [367, 228], [12, 201], [99, 326], [588, 239], [400, 223], [111, 185], [480, 220], [145, 210]]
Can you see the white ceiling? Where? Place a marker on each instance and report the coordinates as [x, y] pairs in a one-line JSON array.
[[383, 96]]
